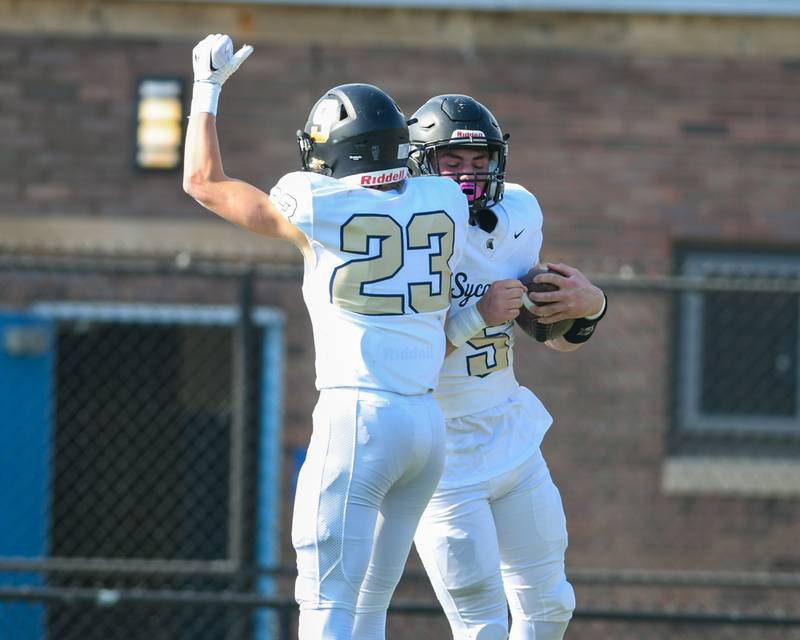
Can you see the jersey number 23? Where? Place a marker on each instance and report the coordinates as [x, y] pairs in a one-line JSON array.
[[395, 244]]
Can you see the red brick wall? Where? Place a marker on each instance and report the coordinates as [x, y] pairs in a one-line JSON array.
[[662, 148]]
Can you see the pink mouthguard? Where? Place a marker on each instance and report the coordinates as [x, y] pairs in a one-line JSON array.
[[471, 190]]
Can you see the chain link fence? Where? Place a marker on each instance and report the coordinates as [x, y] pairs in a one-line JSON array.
[[153, 415]]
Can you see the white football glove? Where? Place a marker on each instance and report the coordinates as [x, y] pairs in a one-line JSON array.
[[214, 62]]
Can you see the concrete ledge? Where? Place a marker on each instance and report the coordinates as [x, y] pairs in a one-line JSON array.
[[85, 234], [777, 478]]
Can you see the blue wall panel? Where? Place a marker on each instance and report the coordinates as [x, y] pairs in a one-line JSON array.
[[26, 374]]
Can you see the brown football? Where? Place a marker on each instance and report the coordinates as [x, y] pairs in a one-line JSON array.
[[529, 322]]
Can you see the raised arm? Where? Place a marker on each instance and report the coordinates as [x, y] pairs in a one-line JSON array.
[[203, 176]]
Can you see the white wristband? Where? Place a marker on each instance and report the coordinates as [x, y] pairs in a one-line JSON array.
[[205, 97], [464, 325], [599, 313]]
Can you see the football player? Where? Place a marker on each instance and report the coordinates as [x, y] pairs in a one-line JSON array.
[[495, 530], [378, 252]]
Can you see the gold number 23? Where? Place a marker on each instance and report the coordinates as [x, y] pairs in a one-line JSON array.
[[349, 279]]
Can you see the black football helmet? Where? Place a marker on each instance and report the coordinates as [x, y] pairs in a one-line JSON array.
[[358, 133], [455, 120]]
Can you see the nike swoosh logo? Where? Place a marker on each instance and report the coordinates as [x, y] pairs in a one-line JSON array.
[[518, 234], [211, 61]]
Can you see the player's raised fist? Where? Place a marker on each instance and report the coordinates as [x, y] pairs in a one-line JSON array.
[[214, 60]]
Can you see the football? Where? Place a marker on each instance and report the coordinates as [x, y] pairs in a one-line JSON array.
[[528, 321]]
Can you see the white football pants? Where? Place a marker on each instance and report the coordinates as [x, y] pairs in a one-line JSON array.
[[373, 462], [504, 538]]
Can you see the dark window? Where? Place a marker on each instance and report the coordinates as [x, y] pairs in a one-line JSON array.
[[738, 346], [142, 468], [149, 457], [749, 354]]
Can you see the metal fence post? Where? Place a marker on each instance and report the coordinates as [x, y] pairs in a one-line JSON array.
[[242, 376]]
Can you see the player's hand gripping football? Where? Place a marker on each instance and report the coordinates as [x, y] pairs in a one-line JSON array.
[[501, 302], [575, 297], [214, 60]]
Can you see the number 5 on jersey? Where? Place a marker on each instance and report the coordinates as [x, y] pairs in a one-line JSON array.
[[494, 344], [350, 279]]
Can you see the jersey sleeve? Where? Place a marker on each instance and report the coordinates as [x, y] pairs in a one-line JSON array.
[[292, 196], [536, 224], [524, 206]]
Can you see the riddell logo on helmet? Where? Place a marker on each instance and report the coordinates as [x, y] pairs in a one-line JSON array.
[[376, 178], [383, 178], [467, 133]]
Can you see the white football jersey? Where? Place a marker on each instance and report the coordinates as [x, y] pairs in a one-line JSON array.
[[480, 373], [377, 276]]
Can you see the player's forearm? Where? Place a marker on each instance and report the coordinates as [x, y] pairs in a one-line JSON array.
[[203, 176]]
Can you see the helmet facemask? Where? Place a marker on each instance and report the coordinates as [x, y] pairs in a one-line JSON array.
[[307, 159], [459, 121], [484, 188]]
